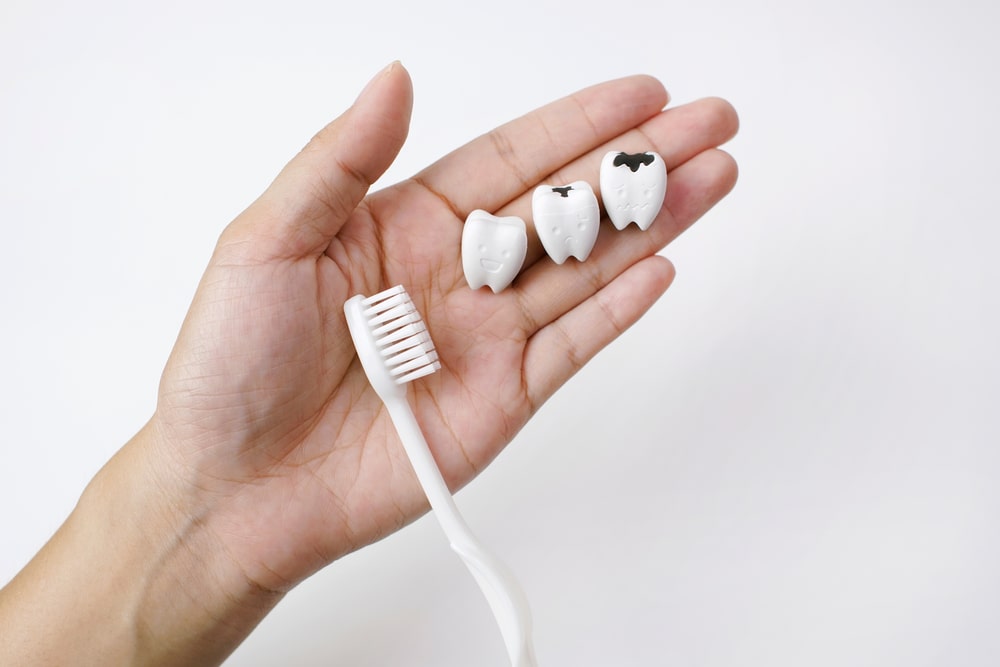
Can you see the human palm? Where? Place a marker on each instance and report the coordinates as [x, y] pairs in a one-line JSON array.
[[264, 404]]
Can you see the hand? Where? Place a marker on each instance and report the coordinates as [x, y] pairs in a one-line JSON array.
[[269, 453], [263, 403]]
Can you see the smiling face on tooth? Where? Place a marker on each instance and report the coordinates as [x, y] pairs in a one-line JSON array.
[[567, 219], [493, 249]]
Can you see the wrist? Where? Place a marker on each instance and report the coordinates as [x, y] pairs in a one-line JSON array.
[[133, 576], [190, 603]]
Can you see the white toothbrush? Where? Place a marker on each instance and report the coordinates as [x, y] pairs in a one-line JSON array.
[[395, 348]]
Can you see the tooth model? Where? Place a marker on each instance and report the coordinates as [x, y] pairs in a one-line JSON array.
[[633, 186], [493, 249], [567, 219]]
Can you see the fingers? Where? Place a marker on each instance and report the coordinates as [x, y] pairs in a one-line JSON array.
[[320, 188], [546, 291], [677, 134], [560, 349], [510, 160], [579, 308]]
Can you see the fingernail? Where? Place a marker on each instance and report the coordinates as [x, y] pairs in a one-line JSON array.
[[378, 77]]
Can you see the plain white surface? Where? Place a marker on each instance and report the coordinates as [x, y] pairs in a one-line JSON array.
[[791, 460]]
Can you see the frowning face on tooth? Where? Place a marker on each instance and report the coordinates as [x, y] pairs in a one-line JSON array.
[[567, 219], [633, 186]]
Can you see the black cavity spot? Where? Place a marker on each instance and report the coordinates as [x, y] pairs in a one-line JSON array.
[[564, 191], [633, 160]]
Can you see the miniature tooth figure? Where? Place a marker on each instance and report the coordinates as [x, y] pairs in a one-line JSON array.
[[633, 186], [567, 219], [493, 249]]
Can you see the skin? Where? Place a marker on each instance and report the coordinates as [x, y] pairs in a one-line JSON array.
[[269, 455]]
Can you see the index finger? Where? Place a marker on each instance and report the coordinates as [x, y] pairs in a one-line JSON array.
[[514, 157]]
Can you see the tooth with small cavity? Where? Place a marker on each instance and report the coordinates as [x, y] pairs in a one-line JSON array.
[[567, 219], [632, 187], [493, 249]]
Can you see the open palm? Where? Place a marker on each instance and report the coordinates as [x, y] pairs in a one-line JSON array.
[[280, 439]]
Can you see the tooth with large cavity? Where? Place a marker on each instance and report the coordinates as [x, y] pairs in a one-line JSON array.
[[567, 219], [493, 249], [632, 187]]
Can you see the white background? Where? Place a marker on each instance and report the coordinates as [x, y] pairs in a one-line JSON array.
[[791, 460]]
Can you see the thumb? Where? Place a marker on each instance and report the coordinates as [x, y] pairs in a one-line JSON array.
[[315, 194]]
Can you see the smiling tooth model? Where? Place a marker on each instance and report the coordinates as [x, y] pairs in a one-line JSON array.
[[493, 249]]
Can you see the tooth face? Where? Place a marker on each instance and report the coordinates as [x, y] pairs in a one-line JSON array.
[[567, 219], [493, 249], [633, 186]]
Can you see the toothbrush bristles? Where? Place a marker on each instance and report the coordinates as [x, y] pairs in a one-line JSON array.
[[408, 318], [389, 309], [381, 296], [417, 350], [426, 370], [401, 334], [425, 358], [399, 330], [419, 336]]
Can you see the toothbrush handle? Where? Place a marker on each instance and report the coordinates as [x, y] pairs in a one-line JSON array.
[[502, 591]]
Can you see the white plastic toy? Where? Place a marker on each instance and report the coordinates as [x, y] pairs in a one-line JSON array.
[[493, 249], [633, 186], [567, 219], [395, 348]]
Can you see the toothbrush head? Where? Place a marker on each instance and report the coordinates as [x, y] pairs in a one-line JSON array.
[[392, 340]]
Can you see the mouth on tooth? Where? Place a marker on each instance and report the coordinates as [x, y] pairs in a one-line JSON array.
[[490, 265]]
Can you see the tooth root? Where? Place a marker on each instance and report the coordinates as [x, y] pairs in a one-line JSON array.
[[633, 186], [493, 249], [567, 219]]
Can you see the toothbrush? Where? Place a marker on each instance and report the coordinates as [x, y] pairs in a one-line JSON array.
[[395, 349]]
